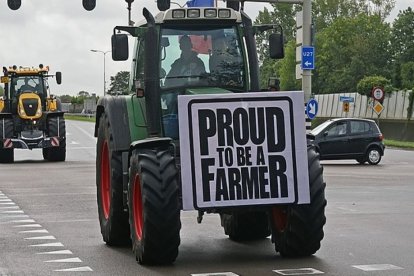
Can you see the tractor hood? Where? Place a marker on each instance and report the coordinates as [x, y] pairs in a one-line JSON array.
[[206, 90]]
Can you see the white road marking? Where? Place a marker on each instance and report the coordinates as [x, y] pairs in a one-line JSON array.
[[41, 238], [298, 271], [86, 133], [216, 274], [23, 221], [69, 260], [5, 200], [7, 203], [377, 267], [53, 244], [13, 217], [12, 212], [74, 143], [34, 231], [28, 225], [59, 252], [75, 269], [8, 207]]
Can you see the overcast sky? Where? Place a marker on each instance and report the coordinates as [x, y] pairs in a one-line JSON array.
[[60, 33]]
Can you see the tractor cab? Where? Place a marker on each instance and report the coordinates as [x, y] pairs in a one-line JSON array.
[[191, 51]]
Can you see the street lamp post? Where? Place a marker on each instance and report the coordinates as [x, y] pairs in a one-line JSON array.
[[104, 70]]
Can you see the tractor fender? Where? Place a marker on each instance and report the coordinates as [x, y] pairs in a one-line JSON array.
[[6, 115], [150, 143], [115, 109]]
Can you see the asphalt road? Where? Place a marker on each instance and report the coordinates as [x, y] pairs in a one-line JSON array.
[[49, 223]]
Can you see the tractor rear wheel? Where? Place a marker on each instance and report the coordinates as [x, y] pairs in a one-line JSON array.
[[57, 128], [6, 131], [246, 226], [297, 230], [113, 219], [154, 208]]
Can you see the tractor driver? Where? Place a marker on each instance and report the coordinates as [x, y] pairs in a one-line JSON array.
[[187, 65], [26, 86]]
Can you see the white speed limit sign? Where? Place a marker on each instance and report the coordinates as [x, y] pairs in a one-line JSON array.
[[378, 93]]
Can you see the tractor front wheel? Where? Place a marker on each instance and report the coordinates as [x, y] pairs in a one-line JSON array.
[[154, 209], [297, 230], [6, 131], [57, 128]]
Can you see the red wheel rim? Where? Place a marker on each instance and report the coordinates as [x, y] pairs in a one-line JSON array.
[[105, 180], [279, 218], [137, 205]]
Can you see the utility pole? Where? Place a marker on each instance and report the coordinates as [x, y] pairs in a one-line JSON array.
[[104, 69], [306, 41]]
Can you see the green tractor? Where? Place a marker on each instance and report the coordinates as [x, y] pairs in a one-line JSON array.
[[30, 117], [197, 133]]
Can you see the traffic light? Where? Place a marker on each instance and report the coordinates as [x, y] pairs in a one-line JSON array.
[[345, 106]]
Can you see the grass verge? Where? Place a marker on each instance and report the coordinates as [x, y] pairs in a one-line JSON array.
[[399, 144], [80, 118]]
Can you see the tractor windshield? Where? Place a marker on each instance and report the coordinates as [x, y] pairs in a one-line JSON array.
[[207, 57], [23, 84]]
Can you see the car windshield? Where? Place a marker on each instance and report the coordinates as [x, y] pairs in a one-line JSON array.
[[206, 57], [321, 127]]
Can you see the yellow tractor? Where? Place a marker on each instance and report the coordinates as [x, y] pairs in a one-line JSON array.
[[30, 117]]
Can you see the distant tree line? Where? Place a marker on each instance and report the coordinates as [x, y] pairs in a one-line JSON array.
[[353, 44]]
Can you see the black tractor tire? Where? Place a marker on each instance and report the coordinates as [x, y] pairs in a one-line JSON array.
[[6, 131], [373, 156], [113, 219], [163, 5], [154, 206], [56, 127], [45, 153], [245, 226], [297, 230]]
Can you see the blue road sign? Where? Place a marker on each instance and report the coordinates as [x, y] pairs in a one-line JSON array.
[[308, 58], [311, 108], [346, 99]]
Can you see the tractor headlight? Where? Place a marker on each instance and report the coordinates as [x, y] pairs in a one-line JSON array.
[[193, 13], [21, 111], [224, 13], [210, 13], [39, 112], [178, 13]]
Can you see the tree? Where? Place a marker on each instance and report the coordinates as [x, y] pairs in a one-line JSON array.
[[326, 12], [1, 91], [119, 83], [407, 75], [402, 43], [65, 98], [366, 84], [283, 15], [350, 49]]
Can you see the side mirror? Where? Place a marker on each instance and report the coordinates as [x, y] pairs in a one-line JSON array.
[[58, 77], [89, 4], [165, 42], [14, 4], [119, 47], [276, 46], [163, 5]]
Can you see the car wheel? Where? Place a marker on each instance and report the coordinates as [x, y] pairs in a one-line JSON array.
[[373, 156]]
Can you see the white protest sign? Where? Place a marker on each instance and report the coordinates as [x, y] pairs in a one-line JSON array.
[[243, 149]]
